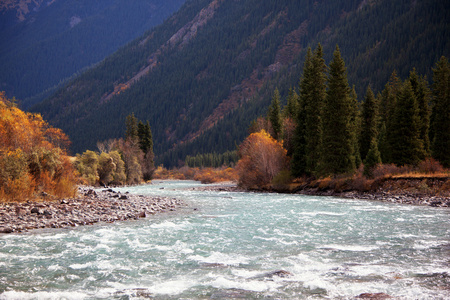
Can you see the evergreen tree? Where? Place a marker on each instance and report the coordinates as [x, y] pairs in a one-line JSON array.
[[337, 150], [274, 115], [373, 158], [387, 105], [422, 93], [369, 124], [404, 137], [441, 112], [145, 137], [355, 119], [298, 162], [131, 124], [313, 93], [291, 108], [383, 143]]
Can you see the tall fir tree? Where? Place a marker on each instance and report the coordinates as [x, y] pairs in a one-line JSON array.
[[372, 159], [337, 149], [313, 93], [298, 162], [441, 112], [291, 108], [369, 122], [422, 92], [274, 115], [404, 137], [131, 124], [355, 120], [387, 105], [145, 137]]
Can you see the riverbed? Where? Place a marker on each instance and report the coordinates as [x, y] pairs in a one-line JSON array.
[[229, 245]]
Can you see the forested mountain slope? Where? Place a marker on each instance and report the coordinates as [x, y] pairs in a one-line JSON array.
[[202, 76], [44, 42]]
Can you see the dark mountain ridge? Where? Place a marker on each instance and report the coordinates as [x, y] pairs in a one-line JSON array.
[[202, 76], [43, 43]]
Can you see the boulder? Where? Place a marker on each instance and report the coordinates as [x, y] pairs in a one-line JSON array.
[[375, 296]]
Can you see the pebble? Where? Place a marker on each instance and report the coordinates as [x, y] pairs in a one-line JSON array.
[[88, 208]]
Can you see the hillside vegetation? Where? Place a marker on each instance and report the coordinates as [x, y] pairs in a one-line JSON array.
[[203, 75], [33, 158], [43, 43]]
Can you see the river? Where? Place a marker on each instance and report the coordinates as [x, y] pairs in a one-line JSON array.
[[228, 245]]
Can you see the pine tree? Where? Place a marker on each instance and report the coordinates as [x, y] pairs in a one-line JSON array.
[[131, 124], [441, 112], [274, 115], [404, 137], [373, 158], [387, 104], [291, 108], [422, 92], [145, 137], [298, 162], [355, 119], [337, 150], [369, 124], [313, 93]]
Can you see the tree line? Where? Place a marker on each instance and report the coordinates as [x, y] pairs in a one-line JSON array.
[[327, 132], [121, 161]]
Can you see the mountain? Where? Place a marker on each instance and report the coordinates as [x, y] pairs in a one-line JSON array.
[[202, 76], [43, 43]]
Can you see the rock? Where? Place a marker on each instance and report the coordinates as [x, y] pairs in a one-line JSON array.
[[435, 203], [123, 197], [47, 213], [277, 273], [142, 214], [375, 296], [6, 230], [36, 210]]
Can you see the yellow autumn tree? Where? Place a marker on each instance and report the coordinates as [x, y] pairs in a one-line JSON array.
[[33, 158], [261, 159]]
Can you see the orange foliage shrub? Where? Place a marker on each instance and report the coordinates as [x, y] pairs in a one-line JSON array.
[[430, 166], [211, 175], [32, 156], [262, 158]]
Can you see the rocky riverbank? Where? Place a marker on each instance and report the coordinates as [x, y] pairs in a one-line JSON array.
[[407, 193], [91, 206]]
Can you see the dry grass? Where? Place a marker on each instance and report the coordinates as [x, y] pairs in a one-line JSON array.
[[204, 175]]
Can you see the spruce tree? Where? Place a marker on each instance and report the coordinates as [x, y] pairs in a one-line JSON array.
[[387, 104], [145, 137], [441, 112], [355, 119], [422, 92], [313, 93], [298, 162], [274, 115], [404, 137], [373, 158], [337, 149], [131, 124], [369, 123], [291, 108]]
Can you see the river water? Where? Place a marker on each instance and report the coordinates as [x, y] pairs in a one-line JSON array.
[[227, 245]]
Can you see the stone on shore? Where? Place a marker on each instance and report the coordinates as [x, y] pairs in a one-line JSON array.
[[88, 208]]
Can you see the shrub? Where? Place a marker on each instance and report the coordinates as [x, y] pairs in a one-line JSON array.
[[262, 158], [32, 156], [430, 166]]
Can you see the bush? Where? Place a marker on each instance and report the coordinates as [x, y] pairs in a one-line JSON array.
[[430, 166], [262, 158], [32, 156]]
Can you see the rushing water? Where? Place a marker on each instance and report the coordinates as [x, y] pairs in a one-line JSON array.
[[225, 245]]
